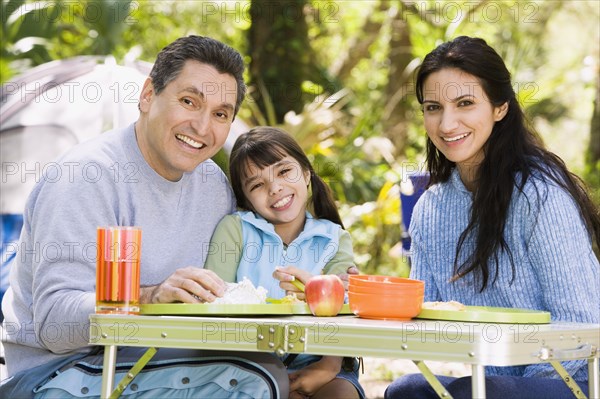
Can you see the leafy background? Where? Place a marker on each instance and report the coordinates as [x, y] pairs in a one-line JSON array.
[[338, 76]]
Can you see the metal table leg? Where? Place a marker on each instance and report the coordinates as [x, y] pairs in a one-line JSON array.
[[594, 377], [108, 370], [566, 377], [432, 380], [133, 372], [478, 381]]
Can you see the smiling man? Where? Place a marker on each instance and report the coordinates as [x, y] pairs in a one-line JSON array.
[[155, 174], [187, 122]]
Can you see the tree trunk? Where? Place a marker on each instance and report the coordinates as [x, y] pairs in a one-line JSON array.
[[280, 54], [359, 49], [397, 110]]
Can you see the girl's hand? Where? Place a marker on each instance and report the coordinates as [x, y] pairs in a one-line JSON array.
[[290, 273], [307, 381], [344, 276]]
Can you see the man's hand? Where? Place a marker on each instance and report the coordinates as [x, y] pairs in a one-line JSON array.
[[188, 285]]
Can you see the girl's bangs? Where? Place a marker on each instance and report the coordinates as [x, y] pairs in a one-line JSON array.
[[262, 156]]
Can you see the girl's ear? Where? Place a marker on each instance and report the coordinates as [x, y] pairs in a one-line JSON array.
[[307, 174], [500, 112]]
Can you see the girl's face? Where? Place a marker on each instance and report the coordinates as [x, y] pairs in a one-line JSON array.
[[278, 192], [459, 118]]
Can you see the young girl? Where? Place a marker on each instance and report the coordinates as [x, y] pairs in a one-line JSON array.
[[274, 239], [503, 223]]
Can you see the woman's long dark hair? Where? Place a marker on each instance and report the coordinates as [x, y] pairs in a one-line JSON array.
[[264, 146], [513, 148]]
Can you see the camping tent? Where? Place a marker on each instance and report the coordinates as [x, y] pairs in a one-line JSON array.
[[54, 106], [48, 110]]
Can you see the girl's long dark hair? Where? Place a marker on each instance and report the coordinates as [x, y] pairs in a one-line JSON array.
[[264, 146], [513, 149]]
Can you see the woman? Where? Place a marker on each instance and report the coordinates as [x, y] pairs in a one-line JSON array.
[[503, 223]]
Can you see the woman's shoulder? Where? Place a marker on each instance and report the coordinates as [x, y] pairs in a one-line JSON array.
[[542, 191], [440, 201], [443, 194], [436, 191], [541, 185]]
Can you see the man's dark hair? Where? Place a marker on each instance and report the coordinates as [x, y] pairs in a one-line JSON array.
[[171, 59]]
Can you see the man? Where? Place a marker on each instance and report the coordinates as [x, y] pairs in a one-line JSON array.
[[155, 174]]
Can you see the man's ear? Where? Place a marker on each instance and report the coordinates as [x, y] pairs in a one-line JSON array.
[[500, 112], [146, 96]]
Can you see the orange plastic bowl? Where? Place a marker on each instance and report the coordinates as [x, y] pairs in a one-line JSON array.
[[388, 289], [372, 280], [386, 307], [398, 293]]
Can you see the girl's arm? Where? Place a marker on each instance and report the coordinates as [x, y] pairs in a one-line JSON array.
[[344, 257], [225, 249]]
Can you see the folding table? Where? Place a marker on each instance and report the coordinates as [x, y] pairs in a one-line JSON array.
[[474, 343]]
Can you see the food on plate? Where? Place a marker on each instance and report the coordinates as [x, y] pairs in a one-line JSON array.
[[450, 305], [243, 293], [290, 299]]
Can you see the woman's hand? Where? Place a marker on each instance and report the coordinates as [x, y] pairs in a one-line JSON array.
[[188, 285], [307, 381], [286, 275]]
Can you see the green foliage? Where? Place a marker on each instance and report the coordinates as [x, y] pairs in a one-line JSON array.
[[592, 178], [342, 123], [91, 27], [27, 28], [38, 32]]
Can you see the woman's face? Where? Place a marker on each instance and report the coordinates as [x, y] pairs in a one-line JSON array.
[[459, 118]]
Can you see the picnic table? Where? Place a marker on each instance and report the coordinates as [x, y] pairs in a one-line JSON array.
[[475, 343]]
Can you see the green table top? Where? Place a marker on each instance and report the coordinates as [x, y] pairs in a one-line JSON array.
[[488, 314], [210, 309]]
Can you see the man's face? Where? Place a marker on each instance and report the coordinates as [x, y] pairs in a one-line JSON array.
[[188, 122]]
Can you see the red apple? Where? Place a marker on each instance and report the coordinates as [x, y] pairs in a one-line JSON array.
[[325, 295]]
